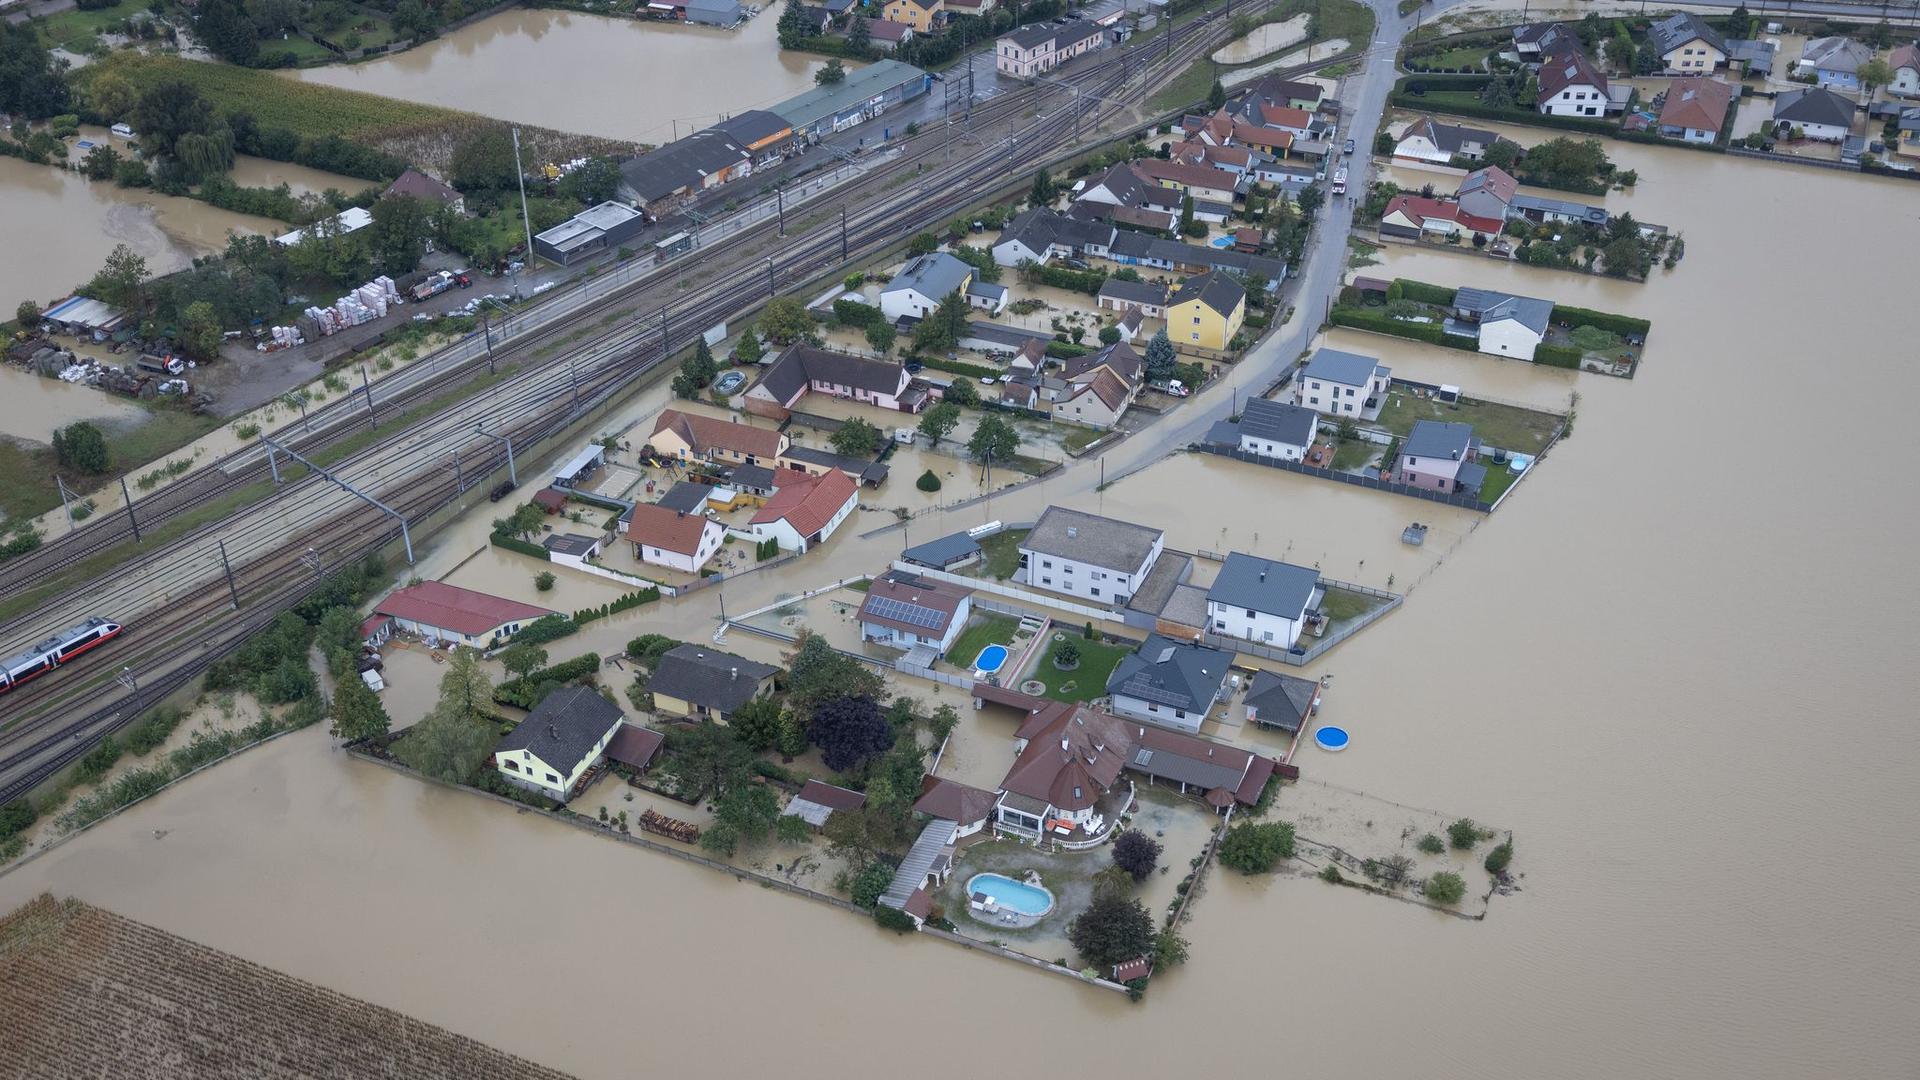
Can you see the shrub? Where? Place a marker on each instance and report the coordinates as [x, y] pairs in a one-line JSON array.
[[544, 629], [928, 481], [1463, 834], [893, 919], [1557, 356], [16, 817], [869, 883], [855, 313], [1067, 655], [1431, 844], [1446, 887], [1425, 293], [520, 692], [1331, 874], [1257, 849], [1499, 858], [148, 734], [544, 580], [1136, 853], [1619, 324]]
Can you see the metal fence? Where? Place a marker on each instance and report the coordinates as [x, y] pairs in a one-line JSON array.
[[1465, 502]]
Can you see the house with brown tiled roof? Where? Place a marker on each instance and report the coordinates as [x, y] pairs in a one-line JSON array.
[[1571, 86], [969, 807], [1695, 109], [441, 612], [673, 538], [414, 184], [907, 611], [688, 436], [805, 511]]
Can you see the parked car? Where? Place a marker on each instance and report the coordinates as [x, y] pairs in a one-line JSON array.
[[1349, 147]]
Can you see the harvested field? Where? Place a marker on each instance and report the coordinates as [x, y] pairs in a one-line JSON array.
[[419, 133], [88, 993]]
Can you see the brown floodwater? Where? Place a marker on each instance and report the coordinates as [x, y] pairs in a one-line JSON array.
[[592, 74], [1715, 823]]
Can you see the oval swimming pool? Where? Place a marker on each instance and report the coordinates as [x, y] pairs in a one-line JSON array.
[[1010, 894], [1331, 738], [991, 659]]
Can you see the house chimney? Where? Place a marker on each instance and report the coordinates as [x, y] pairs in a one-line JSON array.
[[734, 671], [1073, 531], [1063, 742], [1263, 573], [552, 734]]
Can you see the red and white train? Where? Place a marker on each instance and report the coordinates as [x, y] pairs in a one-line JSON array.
[[55, 651]]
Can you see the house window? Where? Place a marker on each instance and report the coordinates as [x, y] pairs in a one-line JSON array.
[[1220, 624], [1096, 590], [1152, 707], [512, 766], [1046, 581], [1046, 564], [552, 779], [1267, 635], [1179, 714]]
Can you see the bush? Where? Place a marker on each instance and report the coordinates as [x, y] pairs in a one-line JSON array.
[[893, 919], [98, 760], [544, 581], [1463, 834], [1619, 324], [1257, 849], [1066, 656], [869, 883], [520, 692], [514, 543], [1431, 844], [1425, 293], [1558, 356], [1499, 858], [1081, 281], [17, 817], [957, 367], [1365, 319], [544, 629], [1331, 874], [1136, 853], [928, 482], [855, 313], [148, 734], [1446, 887]]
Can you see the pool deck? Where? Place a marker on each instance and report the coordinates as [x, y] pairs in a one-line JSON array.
[[1003, 916]]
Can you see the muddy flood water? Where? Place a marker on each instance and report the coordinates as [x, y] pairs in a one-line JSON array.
[[1676, 664], [592, 74]]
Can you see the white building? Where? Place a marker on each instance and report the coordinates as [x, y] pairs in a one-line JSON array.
[[559, 741], [1261, 600], [1088, 556], [447, 613], [1571, 86], [1277, 430], [571, 549], [920, 286], [1509, 325], [907, 611], [1342, 384], [1170, 683], [804, 510], [674, 538]]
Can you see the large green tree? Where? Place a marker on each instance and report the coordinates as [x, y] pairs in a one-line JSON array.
[[1159, 360], [483, 161], [857, 437], [1112, 930], [785, 321], [224, 27], [994, 440], [83, 446], [816, 671], [200, 333], [938, 422], [401, 227], [595, 182], [118, 281], [457, 736], [706, 757], [33, 85], [757, 723], [849, 730], [356, 712]]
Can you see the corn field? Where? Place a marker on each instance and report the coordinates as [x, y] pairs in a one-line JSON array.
[[88, 993]]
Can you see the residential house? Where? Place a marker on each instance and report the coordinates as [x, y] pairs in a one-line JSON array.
[[1687, 45], [919, 14], [1541, 209], [805, 510], [1695, 109], [414, 184], [1571, 86], [1088, 556], [1533, 42], [817, 801], [699, 682], [1069, 757], [1099, 386], [887, 35], [1427, 139], [1039, 234], [1416, 216], [1909, 128], [907, 611], [1342, 384], [571, 549], [447, 613], [957, 8], [1147, 297], [1169, 683], [553, 749], [1129, 324], [1286, 702], [945, 553], [802, 369], [1223, 776], [803, 461], [1818, 113], [1440, 456], [1508, 325], [688, 436], [920, 285], [987, 297], [1261, 600], [1034, 50], [1277, 429], [1207, 312], [1274, 90], [1487, 193], [1199, 181], [1755, 56], [1905, 62], [1835, 62], [677, 539], [1119, 185], [968, 807]]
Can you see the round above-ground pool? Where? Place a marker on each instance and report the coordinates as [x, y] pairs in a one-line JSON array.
[[1016, 896], [1331, 738], [991, 659]]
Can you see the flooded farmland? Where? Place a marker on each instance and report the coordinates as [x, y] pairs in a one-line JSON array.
[[552, 68], [1715, 823]]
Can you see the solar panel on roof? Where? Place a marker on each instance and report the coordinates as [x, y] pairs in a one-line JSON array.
[[900, 611]]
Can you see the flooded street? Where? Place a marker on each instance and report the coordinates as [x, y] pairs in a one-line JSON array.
[[552, 68], [1715, 824]]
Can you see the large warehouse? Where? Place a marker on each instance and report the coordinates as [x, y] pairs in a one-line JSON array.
[[864, 94]]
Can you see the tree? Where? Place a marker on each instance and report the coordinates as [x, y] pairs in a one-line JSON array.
[[82, 446], [1431, 844], [720, 839], [960, 392], [522, 658], [1136, 853], [923, 244], [1873, 73], [1463, 834], [1499, 858], [1625, 257], [272, 17], [706, 757], [1567, 162], [526, 518], [1186, 213], [816, 672], [224, 28], [938, 422], [100, 163], [1309, 199], [1383, 142], [785, 321], [833, 74], [855, 438], [849, 730], [1169, 949], [356, 712], [1109, 335], [544, 581], [1159, 361], [928, 482], [200, 332], [1043, 190], [1216, 96], [1113, 930], [749, 810], [1446, 887], [859, 34], [401, 226], [483, 161], [981, 259], [880, 336], [33, 85], [27, 314], [1647, 59], [1257, 849], [757, 723], [792, 829], [118, 281], [457, 736], [1504, 153], [748, 350], [793, 26], [1739, 22], [994, 440], [869, 883]]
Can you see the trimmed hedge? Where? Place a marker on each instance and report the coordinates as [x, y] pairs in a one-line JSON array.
[[544, 629], [855, 313], [1604, 320], [1404, 96], [1431, 333], [1066, 350], [596, 500], [519, 692], [514, 543], [959, 367], [1421, 291], [1083, 281], [1560, 356]]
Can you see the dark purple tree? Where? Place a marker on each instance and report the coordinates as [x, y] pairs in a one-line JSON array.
[[849, 730], [1136, 853]]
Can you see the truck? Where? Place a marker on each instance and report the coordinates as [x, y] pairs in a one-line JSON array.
[[160, 365], [1340, 180], [433, 285]]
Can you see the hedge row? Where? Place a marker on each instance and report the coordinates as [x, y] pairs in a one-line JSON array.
[[514, 543], [601, 501], [1431, 333], [1409, 289], [632, 599], [1082, 281], [959, 367], [544, 629], [1404, 97], [1560, 356], [519, 692], [1066, 350], [855, 313], [1604, 320]]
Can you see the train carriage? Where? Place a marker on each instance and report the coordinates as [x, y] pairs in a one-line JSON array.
[[56, 650]]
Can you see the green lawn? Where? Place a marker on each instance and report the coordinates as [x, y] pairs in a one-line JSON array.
[[75, 29], [1000, 554], [987, 628], [1469, 56], [1081, 437], [1499, 479], [1340, 605], [1354, 453], [1506, 426], [1086, 682]]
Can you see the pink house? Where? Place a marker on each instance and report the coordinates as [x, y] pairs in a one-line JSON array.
[[1440, 457]]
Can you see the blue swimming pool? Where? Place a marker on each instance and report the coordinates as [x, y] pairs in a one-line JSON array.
[[1331, 738], [1223, 241], [991, 659], [1012, 895]]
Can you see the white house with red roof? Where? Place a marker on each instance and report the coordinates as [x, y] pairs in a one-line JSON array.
[[441, 612], [805, 510], [674, 538], [1412, 216]]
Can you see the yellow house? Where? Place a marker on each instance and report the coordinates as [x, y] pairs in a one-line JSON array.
[[1207, 312], [690, 436], [560, 740], [919, 14], [702, 683]]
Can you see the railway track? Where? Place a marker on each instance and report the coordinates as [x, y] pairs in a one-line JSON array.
[[60, 716]]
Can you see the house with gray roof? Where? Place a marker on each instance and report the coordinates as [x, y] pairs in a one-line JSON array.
[[702, 683], [1261, 600], [1285, 702], [1088, 556], [707, 158], [1541, 209], [945, 553], [1277, 429], [1440, 456], [802, 369], [1819, 114], [1687, 45], [560, 741], [865, 93], [1507, 325], [1150, 297], [1169, 683], [1342, 384], [1428, 139], [920, 285], [1834, 62]]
